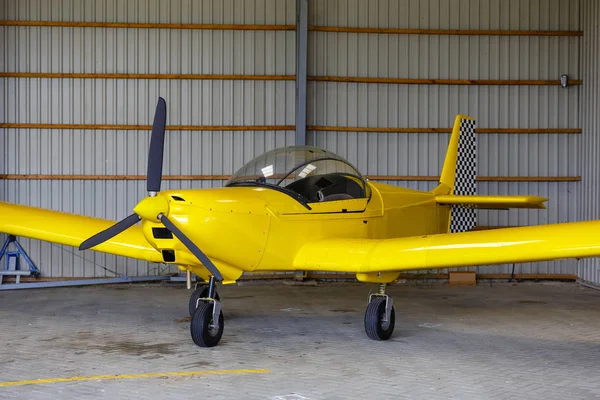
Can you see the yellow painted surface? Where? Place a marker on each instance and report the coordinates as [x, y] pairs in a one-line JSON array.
[[447, 175], [497, 246], [494, 202], [243, 229], [71, 230], [377, 277], [150, 207], [133, 376], [257, 229]]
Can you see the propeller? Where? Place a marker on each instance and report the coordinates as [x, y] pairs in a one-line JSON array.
[[110, 232], [191, 247], [157, 146], [154, 208]]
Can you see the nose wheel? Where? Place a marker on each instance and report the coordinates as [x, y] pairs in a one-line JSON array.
[[380, 317], [206, 326]]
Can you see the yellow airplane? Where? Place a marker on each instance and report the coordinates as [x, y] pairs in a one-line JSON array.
[[304, 208]]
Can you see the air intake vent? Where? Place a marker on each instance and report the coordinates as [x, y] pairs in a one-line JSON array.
[[162, 233], [177, 198], [168, 255]]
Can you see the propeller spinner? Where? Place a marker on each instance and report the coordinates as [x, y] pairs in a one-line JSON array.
[[154, 208]]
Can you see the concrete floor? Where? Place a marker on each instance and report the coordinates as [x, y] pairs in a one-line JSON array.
[[526, 340]]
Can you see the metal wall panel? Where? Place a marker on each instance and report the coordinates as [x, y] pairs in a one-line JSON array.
[[89, 152], [435, 106], [589, 269], [5, 99], [155, 11], [132, 102], [447, 14], [149, 51], [114, 101]]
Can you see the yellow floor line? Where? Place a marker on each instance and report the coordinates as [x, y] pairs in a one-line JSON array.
[[135, 376]]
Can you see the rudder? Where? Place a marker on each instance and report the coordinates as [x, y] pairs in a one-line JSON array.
[[459, 173]]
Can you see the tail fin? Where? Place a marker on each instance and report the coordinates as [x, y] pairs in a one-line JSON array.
[[459, 173]]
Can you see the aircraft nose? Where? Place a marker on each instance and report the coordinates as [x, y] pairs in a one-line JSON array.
[[150, 207]]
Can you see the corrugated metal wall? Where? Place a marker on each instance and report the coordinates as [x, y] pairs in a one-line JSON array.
[[435, 106], [132, 102], [589, 269], [217, 102]]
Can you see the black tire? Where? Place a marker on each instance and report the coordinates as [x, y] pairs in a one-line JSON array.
[[199, 293], [200, 329], [374, 326]]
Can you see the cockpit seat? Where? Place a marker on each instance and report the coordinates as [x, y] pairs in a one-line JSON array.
[[337, 196]]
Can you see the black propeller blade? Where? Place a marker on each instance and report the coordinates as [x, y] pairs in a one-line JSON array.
[[153, 181], [110, 232], [157, 143], [192, 247]]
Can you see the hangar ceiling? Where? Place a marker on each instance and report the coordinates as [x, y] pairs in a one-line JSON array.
[[385, 80]]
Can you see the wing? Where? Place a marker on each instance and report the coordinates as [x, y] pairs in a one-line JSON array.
[[497, 246], [72, 229], [493, 202]]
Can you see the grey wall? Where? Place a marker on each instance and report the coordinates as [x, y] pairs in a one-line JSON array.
[[132, 102], [435, 106], [589, 269], [214, 102]]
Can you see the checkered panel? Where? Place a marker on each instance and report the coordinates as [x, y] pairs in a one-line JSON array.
[[463, 218]]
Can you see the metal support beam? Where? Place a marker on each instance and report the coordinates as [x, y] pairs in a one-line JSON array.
[[588, 269], [301, 65], [211, 287], [84, 282]]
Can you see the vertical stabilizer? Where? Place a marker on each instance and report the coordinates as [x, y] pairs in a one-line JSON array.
[[459, 173]]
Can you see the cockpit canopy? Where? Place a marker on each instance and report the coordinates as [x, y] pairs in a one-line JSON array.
[[307, 173]]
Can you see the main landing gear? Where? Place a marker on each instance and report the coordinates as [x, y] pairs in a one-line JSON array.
[[380, 317], [206, 326]]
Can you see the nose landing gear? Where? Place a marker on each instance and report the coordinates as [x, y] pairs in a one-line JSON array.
[[206, 326], [380, 317], [200, 292]]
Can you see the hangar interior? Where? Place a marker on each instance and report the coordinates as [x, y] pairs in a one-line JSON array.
[[378, 82], [381, 82]]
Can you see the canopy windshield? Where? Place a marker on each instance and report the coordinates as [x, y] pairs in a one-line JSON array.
[[312, 173]]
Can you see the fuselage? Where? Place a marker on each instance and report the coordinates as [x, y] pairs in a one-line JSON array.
[[261, 229]]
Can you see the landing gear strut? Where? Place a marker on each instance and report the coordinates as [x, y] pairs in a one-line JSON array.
[[206, 326], [200, 292], [380, 317]]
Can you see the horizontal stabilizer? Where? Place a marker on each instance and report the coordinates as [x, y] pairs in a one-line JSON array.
[[493, 202]]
